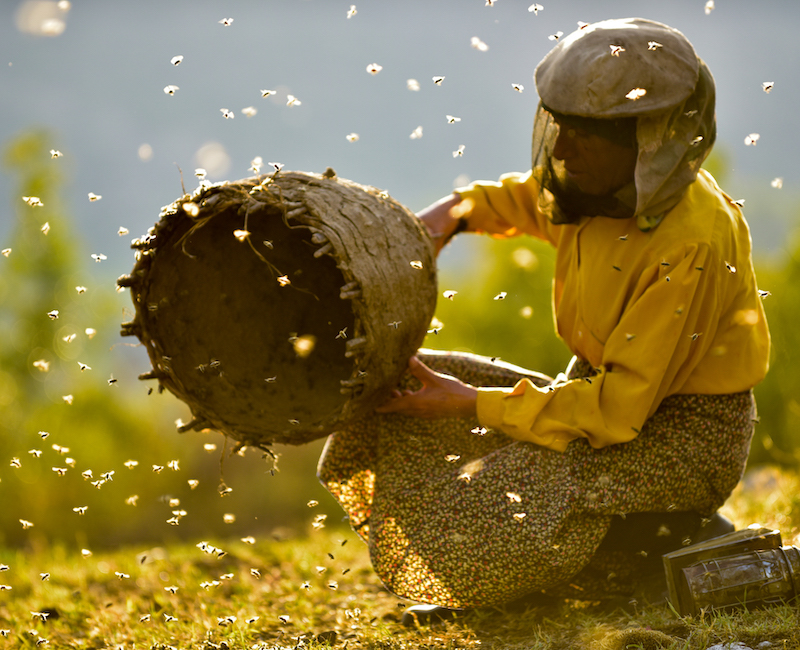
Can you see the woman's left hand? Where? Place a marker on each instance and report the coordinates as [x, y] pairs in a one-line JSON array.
[[441, 396]]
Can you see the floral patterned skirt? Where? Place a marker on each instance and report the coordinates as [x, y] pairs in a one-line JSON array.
[[460, 516]]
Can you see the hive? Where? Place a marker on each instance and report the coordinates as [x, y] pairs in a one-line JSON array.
[[280, 306]]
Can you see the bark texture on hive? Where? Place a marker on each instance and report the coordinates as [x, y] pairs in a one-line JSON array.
[[280, 306]]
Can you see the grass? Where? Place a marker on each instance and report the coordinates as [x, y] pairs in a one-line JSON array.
[[319, 591]]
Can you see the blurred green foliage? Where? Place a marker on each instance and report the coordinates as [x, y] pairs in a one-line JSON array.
[[501, 308], [68, 424], [502, 305]]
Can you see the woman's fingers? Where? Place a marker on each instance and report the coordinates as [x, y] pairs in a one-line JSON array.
[[420, 371]]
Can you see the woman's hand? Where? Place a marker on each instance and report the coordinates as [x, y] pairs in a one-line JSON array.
[[441, 396], [441, 219]]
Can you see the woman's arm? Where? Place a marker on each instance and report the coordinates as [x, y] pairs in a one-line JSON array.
[[443, 220], [441, 396]]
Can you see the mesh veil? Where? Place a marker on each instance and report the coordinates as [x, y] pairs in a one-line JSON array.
[[672, 144]]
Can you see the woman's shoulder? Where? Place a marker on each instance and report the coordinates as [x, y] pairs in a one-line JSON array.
[[705, 215]]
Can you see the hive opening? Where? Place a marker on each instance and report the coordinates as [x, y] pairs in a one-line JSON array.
[[289, 343], [280, 307]]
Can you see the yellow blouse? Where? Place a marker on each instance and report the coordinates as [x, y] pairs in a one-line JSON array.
[[671, 311]]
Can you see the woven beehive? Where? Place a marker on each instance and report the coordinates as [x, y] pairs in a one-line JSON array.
[[278, 307]]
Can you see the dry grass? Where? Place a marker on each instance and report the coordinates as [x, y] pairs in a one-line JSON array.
[[319, 591]]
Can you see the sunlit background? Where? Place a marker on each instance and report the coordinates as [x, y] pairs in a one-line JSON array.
[[109, 107]]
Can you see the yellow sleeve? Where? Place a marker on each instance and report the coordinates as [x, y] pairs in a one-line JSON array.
[[505, 208], [661, 335]]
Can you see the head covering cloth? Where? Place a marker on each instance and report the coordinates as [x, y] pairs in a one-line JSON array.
[[623, 70]]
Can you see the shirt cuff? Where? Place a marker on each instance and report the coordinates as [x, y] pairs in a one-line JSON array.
[[490, 407]]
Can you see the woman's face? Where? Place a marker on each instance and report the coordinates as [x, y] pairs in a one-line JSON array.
[[594, 164]]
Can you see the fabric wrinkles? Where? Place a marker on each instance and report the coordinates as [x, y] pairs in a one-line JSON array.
[[461, 518], [664, 315]]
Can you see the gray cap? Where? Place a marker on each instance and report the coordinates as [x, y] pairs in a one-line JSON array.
[[618, 68]]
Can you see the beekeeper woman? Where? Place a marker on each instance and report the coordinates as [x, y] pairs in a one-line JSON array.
[[480, 482]]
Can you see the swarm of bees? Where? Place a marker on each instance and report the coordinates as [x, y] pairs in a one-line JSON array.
[[348, 335]]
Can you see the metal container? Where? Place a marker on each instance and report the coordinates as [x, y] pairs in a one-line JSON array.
[[748, 567]]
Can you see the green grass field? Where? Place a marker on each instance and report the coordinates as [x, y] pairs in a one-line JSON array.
[[318, 591]]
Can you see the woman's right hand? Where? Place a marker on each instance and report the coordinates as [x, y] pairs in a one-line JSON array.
[[442, 219]]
